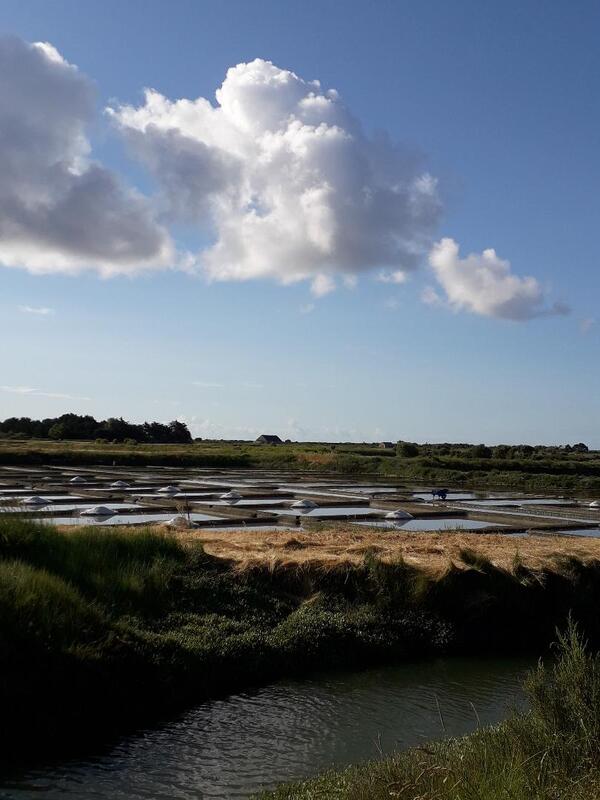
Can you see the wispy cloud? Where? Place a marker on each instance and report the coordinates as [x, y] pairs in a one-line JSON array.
[[18, 389], [308, 308], [40, 311], [322, 285], [586, 325], [208, 385], [430, 297], [31, 392], [392, 276], [211, 429]]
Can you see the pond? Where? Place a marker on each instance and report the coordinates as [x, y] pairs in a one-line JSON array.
[[331, 511], [125, 519], [233, 747], [435, 524]]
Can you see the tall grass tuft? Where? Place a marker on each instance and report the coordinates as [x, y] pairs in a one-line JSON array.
[[40, 607], [124, 571]]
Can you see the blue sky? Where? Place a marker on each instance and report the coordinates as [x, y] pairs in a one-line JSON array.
[[501, 103]]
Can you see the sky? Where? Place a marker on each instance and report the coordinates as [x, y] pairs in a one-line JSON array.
[[331, 221]]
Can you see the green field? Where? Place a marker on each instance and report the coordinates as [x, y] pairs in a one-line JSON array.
[[523, 468]]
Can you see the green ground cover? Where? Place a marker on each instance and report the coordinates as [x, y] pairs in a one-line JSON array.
[[101, 628], [519, 468]]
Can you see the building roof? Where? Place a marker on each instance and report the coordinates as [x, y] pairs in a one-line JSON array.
[[269, 438]]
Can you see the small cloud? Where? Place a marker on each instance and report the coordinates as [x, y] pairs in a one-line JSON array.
[[209, 429], [322, 285], [484, 284], [392, 276], [208, 385], [308, 308], [392, 303], [28, 390], [350, 281], [586, 325], [430, 297], [41, 311], [60, 396]]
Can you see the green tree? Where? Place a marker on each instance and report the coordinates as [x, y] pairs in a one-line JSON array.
[[407, 449]]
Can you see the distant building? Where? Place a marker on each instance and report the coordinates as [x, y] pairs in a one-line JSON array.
[[386, 445], [268, 438]]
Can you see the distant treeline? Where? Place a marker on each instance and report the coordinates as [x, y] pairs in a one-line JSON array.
[[74, 426], [412, 449]]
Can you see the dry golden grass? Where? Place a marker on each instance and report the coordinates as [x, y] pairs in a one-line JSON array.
[[344, 544]]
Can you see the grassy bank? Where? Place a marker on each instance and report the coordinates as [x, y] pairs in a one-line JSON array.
[[550, 752], [100, 629], [546, 470]]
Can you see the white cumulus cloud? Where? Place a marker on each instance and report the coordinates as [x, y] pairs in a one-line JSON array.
[[284, 179], [60, 211], [483, 283]]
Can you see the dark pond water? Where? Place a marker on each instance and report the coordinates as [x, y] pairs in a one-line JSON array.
[[234, 747]]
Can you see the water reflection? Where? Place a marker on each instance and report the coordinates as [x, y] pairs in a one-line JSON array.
[[231, 748]]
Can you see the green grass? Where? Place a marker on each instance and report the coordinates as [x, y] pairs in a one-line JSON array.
[[107, 628], [546, 469], [550, 752]]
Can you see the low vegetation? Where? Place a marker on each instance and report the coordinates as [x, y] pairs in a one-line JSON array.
[[537, 469], [101, 628], [551, 751]]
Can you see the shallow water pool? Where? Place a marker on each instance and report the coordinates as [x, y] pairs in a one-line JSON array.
[[432, 524]]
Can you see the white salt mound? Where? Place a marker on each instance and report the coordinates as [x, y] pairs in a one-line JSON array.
[[180, 522], [399, 514], [97, 511], [36, 500], [306, 504]]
